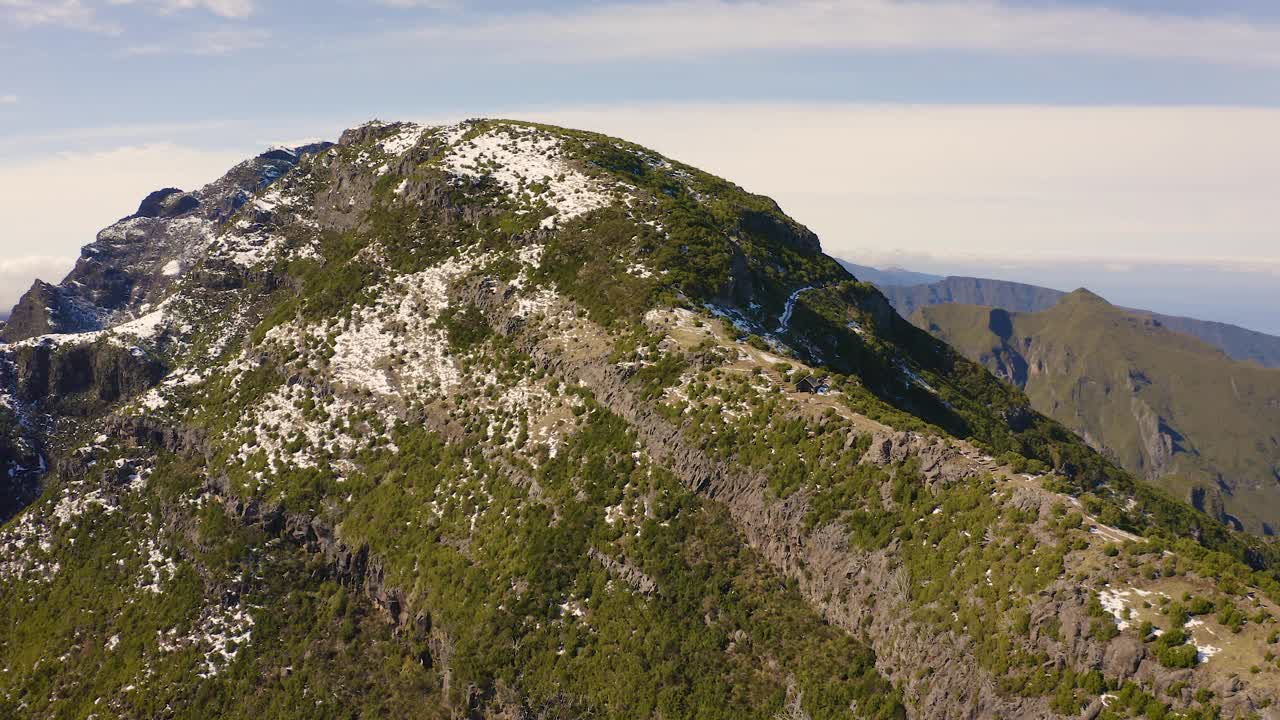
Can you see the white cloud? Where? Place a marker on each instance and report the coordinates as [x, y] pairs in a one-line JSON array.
[[222, 41], [74, 14], [50, 141], [57, 203], [225, 8], [222, 8], [80, 15], [709, 27], [428, 4], [8, 99]]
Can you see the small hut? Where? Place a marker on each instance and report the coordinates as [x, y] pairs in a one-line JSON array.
[[811, 384]]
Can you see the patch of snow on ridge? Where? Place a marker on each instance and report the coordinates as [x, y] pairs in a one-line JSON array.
[[640, 271], [516, 157], [220, 631], [24, 549], [72, 505], [404, 140], [1204, 652], [915, 378], [539, 302], [156, 569], [450, 135], [146, 326], [394, 344], [157, 398], [280, 418], [1113, 601], [247, 245]]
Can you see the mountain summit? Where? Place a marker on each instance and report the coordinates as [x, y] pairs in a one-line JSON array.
[[505, 420]]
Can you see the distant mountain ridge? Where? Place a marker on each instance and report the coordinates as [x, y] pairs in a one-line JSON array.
[[1237, 342], [893, 276], [1162, 403], [1011, 296]]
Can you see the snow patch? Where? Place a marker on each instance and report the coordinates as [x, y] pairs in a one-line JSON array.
[[1115, 603], [529, 163], [394, 344], [404, 140]]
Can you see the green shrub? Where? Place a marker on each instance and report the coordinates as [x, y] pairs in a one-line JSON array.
[[1180, 656]]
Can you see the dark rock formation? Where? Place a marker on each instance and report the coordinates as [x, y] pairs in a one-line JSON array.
[[79, 380]]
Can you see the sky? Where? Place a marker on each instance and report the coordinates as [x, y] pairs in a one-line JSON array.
[[1125, 145]]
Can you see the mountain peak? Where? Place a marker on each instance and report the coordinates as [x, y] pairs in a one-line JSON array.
[[1083, 296], [167, 202]]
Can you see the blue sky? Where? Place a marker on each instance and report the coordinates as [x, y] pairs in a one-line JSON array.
[[1116, 133]]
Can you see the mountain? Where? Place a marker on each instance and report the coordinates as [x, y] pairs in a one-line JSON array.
[[1237, 342], [1164, 404], [1011, 296], [890, 276], [506, 420]]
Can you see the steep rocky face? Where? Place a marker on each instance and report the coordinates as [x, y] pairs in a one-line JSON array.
[[502, 420], [133, 262], [47, 309], [81, 379], [1164, 405]]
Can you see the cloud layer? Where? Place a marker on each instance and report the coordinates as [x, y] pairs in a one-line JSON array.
[[222, 8], [711, 27], [664, 29], [82, 15], [74, 14], [218, 41]]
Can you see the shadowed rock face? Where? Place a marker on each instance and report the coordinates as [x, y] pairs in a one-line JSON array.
[[82, 379], [46, 309], [169, 202]]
